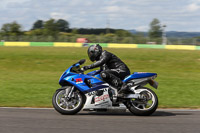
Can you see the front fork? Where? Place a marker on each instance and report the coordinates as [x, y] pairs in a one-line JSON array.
[[69, 92]]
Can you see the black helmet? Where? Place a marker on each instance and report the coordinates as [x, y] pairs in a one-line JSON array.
[[94, 52]]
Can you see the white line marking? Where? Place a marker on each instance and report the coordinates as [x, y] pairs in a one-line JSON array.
[[181, 110], [31, 108], [26, 108]]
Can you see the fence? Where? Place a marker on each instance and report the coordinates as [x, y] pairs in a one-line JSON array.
[[102, 39], [109, 45]]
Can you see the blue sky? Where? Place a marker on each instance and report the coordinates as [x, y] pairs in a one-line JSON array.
[[178, 15]]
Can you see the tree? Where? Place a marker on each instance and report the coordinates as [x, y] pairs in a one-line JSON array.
[[39, 24], [155, 29], [63, 25], [74, 31], [5, 29], [123, 33], [36, 32], [11, 29], [51, 27]]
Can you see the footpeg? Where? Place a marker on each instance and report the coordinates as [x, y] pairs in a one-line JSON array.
[[120, 95]]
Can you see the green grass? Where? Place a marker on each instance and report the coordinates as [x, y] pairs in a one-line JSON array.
[[29, 75]]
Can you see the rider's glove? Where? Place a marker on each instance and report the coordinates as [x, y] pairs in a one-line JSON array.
[[86, 68]]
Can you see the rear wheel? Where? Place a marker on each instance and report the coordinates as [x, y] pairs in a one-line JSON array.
[[144, 106], [65, 105]]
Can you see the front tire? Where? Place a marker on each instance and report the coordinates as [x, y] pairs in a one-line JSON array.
[[67, 106], [146, 106]]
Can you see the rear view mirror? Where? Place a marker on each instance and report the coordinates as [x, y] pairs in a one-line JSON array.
[[82, 61]]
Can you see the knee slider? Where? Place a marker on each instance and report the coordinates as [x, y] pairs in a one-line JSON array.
[[115, 82]]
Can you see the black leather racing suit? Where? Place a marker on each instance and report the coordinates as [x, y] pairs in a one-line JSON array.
[[114, 70]]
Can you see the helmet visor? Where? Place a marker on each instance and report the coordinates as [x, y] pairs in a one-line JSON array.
[[91, 55]]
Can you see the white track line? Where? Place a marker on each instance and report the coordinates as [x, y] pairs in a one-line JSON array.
[[30, 108], [26, 108], [178, 110]]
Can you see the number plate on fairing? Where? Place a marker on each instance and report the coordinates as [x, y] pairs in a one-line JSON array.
[[98, 102]]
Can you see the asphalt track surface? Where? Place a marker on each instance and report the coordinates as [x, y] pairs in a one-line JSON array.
[[15, 120]]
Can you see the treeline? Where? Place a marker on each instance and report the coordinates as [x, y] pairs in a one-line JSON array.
[[95, 31], [59, 31], [53, 27]]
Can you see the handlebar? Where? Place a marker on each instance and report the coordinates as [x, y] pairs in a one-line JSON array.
[[82, 70]]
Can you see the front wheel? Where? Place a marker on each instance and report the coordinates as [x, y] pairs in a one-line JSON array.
[[145, 106], [65, 105]]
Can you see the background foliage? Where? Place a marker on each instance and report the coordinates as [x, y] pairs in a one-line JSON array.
[[59, 31]]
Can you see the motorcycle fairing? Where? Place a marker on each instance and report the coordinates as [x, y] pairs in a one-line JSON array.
[[92, 73], [138, 75], [79, 80], [98, 102]]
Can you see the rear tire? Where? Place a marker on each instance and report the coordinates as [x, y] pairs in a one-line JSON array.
[[143, 107], [68, 107]]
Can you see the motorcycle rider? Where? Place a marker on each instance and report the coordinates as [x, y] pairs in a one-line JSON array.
[[113, 69]]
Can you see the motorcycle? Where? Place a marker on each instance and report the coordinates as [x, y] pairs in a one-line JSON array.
[[89, 92]]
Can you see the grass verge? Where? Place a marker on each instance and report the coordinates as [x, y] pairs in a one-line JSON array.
[[29, 75]]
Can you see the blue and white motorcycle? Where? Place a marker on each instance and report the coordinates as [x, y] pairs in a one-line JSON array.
[[81, 91]]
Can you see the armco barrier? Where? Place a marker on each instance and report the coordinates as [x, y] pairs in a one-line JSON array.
[[108, 45], [41, 43], [197, 47], [1, 43], [150, 46], [102, 44], [181, 47], [63, 44], [22, 44], [115, 45]]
